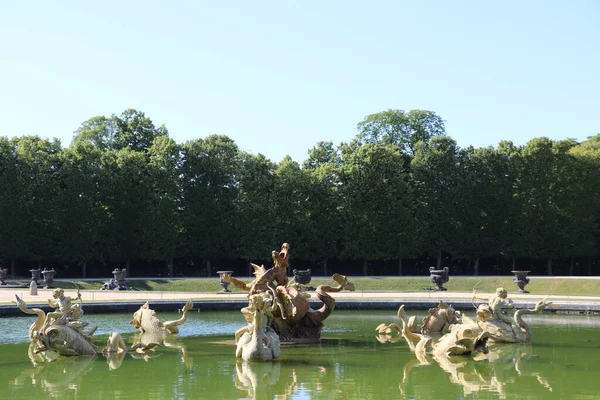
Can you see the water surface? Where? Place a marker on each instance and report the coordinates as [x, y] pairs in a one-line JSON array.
[[349, 363]]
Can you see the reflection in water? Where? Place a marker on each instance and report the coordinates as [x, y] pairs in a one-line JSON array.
[[490, 372], [58, 376], [170, 341], [55, 378]]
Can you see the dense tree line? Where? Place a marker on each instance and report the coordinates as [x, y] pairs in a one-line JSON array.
[[401, 190]]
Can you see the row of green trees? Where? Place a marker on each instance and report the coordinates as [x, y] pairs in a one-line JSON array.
[[124, 190]]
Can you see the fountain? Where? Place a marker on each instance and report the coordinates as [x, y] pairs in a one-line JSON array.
[[521, 280], [48, 278], [223, 282], [293, 319]]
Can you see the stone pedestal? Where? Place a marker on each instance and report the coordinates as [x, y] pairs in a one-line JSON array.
[[48, 278], [439, 277], [223, 282], [521, 280]]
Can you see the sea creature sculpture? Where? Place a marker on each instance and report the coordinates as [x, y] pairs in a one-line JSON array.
[[258, 341], [471, 336], [439, 319], [60, 331], [293, 319], [500, 326], [146, 320]]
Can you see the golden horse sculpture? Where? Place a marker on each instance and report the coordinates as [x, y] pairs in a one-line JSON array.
[[293, 319]]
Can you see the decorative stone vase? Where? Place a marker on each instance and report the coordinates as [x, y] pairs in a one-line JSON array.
[[3, 275], [35, 275], [302, 276], [521, 280], [439, 277], [223, 282], [119, 275], [48, 278]]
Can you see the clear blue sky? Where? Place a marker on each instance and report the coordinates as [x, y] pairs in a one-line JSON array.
[[279, 76]]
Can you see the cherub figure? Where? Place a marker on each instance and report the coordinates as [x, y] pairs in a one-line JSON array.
[[65, 307], [493, 310]]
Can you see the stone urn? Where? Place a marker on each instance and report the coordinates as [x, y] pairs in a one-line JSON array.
[[119, 277], [439, 277], [48, 278], [36, 275], [521, 280], [3, 275], [223, 282], [302, 276]]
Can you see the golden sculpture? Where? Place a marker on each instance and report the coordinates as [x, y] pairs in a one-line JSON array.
[[280, 307], [467, 336], [146, 320], [60, 331], [438, 319]]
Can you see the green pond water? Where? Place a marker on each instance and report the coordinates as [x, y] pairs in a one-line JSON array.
[[349, 363]]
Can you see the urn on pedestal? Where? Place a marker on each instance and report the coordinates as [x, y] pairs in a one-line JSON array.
[[223, 282], [521, 280]]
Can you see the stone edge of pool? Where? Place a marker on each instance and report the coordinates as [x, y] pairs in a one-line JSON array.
[[584, 307]]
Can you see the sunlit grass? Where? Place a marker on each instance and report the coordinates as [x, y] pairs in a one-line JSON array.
[[556, 286]]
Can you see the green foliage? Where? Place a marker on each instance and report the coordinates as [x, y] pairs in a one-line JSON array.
[[123, 191], [400, 128]]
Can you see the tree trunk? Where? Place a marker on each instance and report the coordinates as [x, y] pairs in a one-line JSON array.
[[325, 268], [365, 267], [128, 269], [438, 265], [170, 268], [250, 269], [12, 269], [84, 270], [208, 268], [589, 266], [549, 266], [400, 266], [476, 267], [571, 265]]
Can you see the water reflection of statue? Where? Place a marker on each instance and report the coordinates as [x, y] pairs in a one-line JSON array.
[[264, 380], [57, 378], [503, 364]]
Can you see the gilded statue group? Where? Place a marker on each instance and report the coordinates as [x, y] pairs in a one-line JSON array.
[[446, 332], [278, 310]]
